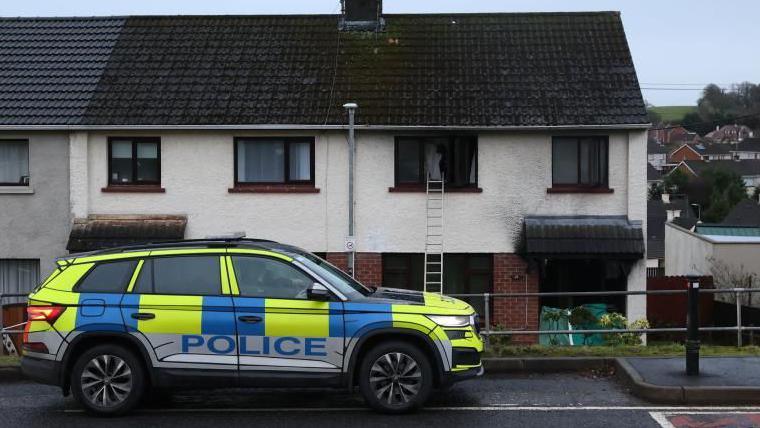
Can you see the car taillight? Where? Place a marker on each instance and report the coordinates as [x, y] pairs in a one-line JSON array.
[[44, 313]]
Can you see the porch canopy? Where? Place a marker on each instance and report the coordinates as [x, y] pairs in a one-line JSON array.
[[610, 237], [106, 231]]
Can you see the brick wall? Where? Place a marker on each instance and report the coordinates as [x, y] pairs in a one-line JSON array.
[[510, 276], [369, 266]]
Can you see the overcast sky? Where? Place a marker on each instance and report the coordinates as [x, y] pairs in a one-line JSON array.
[[675, 43]]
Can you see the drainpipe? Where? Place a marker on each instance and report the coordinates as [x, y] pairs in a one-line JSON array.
[[351, 108]]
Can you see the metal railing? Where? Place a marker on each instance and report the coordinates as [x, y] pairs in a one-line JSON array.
[[487, 332]]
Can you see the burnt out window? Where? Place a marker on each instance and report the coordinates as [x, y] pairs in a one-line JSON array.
[[453, 159]]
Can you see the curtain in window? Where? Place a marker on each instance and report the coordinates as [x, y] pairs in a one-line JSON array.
[[18, 277], [300, 161], [261, 161], [14, 162], [147, 162]]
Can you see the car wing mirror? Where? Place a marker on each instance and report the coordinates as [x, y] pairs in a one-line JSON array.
[[318, 292]]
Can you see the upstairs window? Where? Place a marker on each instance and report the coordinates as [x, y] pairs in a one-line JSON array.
[[580, 162], [134, 161], [453, 159], [14, 163], [274, 161]]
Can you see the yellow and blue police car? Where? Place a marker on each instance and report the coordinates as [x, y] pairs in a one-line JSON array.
[[108, 326]]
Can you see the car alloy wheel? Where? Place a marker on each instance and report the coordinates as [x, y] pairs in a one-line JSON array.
[[395, 378], [106, 381]]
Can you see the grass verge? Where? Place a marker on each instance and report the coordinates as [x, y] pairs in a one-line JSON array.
[[8, 361], [653, 350]]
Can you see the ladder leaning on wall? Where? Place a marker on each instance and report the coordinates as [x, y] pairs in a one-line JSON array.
[[434, 236]]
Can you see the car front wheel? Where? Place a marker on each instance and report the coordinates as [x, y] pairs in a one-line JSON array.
[[395, 378], [108, 380]]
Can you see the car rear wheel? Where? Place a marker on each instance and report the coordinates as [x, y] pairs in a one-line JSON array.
[[108, 380], [395, 378]]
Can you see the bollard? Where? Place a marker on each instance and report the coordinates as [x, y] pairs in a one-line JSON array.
[[692, 328]]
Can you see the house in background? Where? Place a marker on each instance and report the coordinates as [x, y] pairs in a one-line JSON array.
[[190, 126], [749, 148], [730, 134], [702, 151], [748, 169]]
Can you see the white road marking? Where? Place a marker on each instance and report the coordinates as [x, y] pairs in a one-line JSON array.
[[489, 408], [662, 417]]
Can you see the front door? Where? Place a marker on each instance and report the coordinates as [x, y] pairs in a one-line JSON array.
[[178, 304], [279, 329]]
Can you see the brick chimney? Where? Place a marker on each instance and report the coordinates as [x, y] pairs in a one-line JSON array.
[[362, 15]]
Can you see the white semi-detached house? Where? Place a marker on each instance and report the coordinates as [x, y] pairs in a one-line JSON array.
[[158, 128]]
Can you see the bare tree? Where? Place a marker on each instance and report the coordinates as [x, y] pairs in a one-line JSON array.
[[726, 275]]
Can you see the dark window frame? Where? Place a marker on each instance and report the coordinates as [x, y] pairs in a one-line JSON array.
[[128, 278], [134, 141], [153, 292], [420, 139], [605, 166], [28, 162], [287, 141]]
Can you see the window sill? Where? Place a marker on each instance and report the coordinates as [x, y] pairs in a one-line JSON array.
[[133, 189], [16, 190], [274, 188], [579, 189], [422, 189]]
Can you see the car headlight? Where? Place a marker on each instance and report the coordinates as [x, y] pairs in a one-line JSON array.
[[451, 320]]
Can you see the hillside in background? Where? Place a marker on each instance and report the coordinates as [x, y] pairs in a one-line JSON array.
[[673, 114]]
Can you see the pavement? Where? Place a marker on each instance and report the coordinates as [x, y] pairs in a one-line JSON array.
[[586, 399], [722, 380]]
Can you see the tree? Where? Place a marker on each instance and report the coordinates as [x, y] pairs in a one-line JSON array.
[[726, 190], [740, 104], [675, 182], [655, 192]]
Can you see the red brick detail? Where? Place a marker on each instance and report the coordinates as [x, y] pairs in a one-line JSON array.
[[369, 266], [339, 260], [511, 275]]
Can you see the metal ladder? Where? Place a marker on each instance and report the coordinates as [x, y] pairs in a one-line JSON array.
[[434, 236]]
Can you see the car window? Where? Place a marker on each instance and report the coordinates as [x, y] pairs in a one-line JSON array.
[[188, 275], [108, 278], [263, 277]]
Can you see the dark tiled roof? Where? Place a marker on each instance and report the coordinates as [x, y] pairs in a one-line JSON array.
[[652, 173], [108, 232], [713, 148], [583, 235], [744, 167], [748, 145], [522, 69], [49, 68], [745, 213]]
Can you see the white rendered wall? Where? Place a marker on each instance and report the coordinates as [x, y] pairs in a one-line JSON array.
[[514, 173]]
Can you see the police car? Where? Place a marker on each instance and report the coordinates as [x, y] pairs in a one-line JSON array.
[[110, 326]]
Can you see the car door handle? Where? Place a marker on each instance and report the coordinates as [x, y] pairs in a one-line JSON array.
[[249, 319], [143, 316]]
